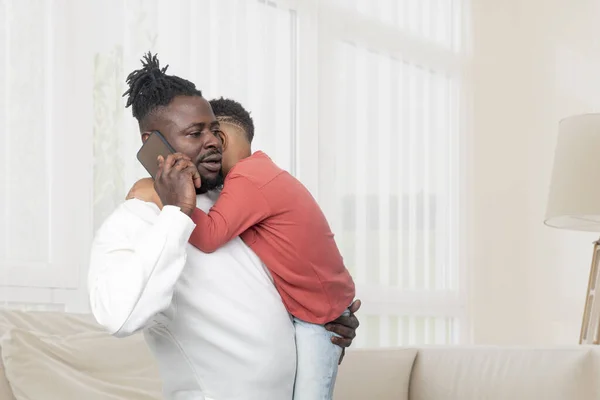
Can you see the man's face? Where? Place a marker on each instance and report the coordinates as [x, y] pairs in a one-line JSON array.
[[190, 126]]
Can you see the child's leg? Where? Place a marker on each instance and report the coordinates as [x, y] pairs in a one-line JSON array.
[[317, 362]]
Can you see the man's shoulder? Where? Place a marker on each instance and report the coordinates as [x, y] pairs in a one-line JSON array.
[[129, 216], [138, 209]]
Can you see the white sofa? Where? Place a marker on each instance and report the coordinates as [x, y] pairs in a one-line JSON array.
[[49, 356], [471, 373]]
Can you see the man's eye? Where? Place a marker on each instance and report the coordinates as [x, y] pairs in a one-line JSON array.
[[217, 132], [195, 134]]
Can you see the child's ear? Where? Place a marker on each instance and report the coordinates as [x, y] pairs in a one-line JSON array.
[[224, 139]]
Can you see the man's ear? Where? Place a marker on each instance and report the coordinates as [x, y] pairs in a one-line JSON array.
[[145, 136]]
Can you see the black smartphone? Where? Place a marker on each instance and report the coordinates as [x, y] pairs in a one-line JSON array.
[[156, 145]]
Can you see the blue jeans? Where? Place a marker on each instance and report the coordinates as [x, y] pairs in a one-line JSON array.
[[317, 361]]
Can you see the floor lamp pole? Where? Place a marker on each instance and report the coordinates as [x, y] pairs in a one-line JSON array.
[[590, 327]]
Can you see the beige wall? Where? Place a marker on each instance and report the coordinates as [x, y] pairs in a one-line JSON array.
[[534, 62]]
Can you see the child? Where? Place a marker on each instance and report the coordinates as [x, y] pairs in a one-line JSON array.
[[276, 216]]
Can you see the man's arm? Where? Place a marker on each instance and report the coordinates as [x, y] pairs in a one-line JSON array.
[[240, 205], [135, 265], [138, 256]]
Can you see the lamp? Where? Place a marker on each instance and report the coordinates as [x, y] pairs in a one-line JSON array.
[[574, 200]]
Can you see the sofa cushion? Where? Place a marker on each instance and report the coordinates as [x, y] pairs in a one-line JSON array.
[[47, 322], [5, 390], [82, 366], [505, 373], [381, 374]]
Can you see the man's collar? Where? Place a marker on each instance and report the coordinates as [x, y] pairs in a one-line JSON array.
[[206, 200]]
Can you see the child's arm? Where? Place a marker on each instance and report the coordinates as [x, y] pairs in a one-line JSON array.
[[240, 206], [144, 190]]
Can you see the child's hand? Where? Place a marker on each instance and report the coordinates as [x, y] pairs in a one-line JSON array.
[[144, 190]]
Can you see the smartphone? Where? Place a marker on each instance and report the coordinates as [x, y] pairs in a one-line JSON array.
[[156, 145]]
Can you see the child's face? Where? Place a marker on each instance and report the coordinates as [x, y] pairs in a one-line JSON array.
[[228, 161], [235, 146]]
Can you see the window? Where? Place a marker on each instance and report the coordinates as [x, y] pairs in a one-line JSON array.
[[44, 217], [390, 177], [363, 100]]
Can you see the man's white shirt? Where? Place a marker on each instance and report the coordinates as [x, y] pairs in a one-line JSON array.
[[215, 322]]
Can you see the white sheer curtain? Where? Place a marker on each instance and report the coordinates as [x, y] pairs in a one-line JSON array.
[[364, 101], [391, 135]]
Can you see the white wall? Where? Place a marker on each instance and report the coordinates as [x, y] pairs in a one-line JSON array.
[[535, 62]]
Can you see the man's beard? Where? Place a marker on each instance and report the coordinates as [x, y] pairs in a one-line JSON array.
[[210, 184]]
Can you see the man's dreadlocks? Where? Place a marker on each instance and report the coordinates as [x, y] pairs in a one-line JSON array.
[[150, 88], [232, 112]]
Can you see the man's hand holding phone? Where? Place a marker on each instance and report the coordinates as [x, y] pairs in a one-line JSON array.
[[176, 181]]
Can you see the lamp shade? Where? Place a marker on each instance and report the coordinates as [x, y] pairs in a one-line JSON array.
[[574, 199]]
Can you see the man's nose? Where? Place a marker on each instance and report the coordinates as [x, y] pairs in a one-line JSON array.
[[212, 142]]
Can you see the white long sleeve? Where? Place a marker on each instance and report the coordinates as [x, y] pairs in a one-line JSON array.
[[215, 322], [137, 258]]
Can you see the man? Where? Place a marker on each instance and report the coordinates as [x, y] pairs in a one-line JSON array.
[[214, 321]]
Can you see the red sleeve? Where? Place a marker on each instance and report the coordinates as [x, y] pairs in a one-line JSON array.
[[240, 206]]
